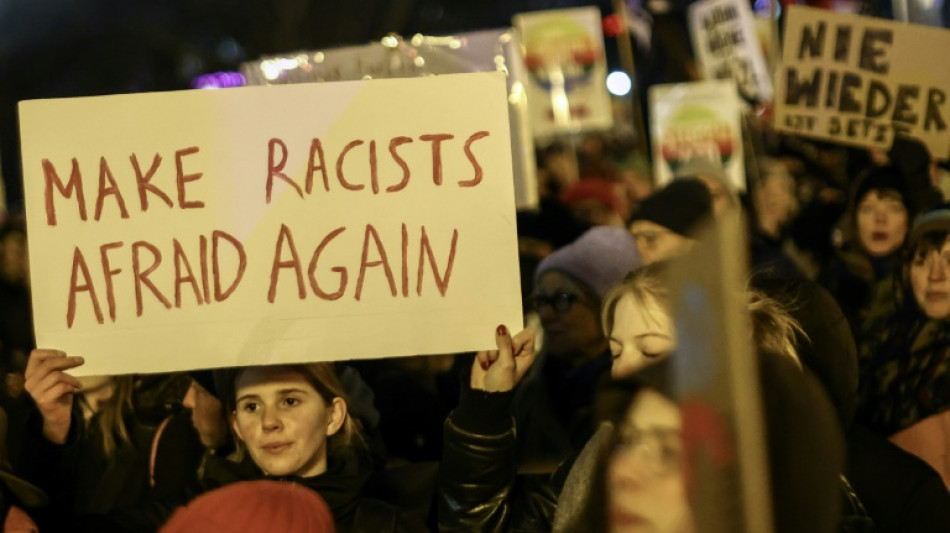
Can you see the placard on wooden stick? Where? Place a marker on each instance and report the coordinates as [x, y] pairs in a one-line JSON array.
[[200, 229]]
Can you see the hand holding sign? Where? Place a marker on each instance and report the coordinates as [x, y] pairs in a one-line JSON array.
[[502, 369], [52, 389]]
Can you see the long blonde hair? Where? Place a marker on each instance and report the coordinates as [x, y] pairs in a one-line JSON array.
[[773, 328], [643, 284], [110, 413]]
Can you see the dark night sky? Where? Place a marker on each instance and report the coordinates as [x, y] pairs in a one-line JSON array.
[[61, 48]]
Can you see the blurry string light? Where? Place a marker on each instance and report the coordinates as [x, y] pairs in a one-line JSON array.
[[219, 80], [273, 68], [391, 56], [517, 94]]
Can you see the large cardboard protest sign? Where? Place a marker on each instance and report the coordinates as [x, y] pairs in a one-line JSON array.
[[698, 120], [422, 55], [567, 71], [200, 229], [726, 43], [859, 80]]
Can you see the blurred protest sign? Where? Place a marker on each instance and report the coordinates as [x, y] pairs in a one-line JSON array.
[[859, 80], [716, 380], [727, 47], [698, 120], [422, 55], [255, 225], [567, 71]]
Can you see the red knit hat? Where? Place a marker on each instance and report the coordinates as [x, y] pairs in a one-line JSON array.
[[253, 507], [598, 190]]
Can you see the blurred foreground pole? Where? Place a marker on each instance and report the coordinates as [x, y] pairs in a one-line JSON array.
[[624, 42], [715, 378]]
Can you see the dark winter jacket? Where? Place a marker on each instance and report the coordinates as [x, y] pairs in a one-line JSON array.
[[900, 492], [858, 281], [340, 486], [553, 409], [478, 486], [905, 370], [89, 491]]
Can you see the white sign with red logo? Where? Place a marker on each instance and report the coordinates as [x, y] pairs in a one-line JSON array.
[[698, 120], [567, 70]]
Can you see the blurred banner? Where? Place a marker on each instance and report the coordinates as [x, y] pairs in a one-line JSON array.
[[394, 57], [860, 80], [698, 120], [257, 225], [567, 71], [717, 384], [727, 46]]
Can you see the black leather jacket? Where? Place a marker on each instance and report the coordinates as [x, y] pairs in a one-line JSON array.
[[478, 487]]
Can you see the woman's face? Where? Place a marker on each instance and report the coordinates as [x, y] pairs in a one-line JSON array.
[[882, 222], [571, 322], [645, 488], [284, 422], [930, 280], [656, 243], [642, 334]]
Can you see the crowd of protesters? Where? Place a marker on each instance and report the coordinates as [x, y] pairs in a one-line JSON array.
[[572, 424]]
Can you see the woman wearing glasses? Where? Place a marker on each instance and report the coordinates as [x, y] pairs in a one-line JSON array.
[[553, 405]]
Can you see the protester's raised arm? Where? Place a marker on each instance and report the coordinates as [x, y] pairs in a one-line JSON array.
[[502, 369], [478, 468], [52, 390]]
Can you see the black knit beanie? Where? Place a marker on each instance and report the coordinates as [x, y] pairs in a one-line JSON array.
[[679, 207], [881, 178]]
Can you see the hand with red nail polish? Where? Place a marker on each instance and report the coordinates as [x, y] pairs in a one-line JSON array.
[[52, 389], [502, 369]]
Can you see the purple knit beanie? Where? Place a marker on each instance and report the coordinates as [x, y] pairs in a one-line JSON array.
[[600, 258]]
